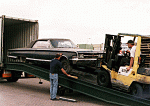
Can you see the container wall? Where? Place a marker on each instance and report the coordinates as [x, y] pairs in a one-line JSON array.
[[18, 36], [1, 30]]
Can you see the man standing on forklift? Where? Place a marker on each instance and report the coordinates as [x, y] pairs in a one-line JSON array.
[[132, 53], [55, 67]]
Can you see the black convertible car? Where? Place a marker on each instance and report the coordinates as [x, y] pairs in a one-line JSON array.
[[42, 51]]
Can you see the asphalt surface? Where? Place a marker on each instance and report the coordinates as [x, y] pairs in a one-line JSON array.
[[28, 92]]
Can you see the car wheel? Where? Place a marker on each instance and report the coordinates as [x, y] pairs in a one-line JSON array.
[[66, 66], [137, 90], [103, 79]]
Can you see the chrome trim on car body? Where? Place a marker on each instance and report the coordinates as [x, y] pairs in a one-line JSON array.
[[38, 59], [77, 59], [12, 57], [31, 59]]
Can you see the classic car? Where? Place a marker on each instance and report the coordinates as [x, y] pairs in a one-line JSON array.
[[42, 51]]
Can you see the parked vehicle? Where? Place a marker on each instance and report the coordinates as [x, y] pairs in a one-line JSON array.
[[40, 52]]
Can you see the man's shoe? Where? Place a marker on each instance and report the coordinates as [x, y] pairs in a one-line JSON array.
[[54, 99]]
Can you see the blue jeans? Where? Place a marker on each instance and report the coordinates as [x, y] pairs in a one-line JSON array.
[[54, 85]]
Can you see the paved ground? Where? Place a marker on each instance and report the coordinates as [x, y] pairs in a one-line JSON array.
[[28, 92]]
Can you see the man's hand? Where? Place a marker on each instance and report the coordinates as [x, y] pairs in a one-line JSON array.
[[128, 68], [68, 75]]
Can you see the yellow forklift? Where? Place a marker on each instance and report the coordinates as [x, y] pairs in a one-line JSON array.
[[114, 74]]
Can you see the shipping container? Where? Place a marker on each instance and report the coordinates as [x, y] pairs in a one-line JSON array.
[[16, 33]]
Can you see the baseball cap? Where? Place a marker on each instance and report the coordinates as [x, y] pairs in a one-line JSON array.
[[131, 42]]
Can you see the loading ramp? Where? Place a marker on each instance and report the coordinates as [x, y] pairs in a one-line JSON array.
[[95, 91]]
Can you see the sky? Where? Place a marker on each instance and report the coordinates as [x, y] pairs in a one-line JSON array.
[[82, 21]]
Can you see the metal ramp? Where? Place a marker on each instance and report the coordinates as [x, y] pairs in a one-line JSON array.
[[101, 93]]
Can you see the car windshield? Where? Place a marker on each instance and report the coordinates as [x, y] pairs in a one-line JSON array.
[[42, 44], [62, 43]]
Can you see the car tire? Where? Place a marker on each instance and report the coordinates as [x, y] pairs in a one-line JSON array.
[[136, 90], [66, 65], [103, 79]]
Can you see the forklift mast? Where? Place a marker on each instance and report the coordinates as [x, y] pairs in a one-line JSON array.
[[112, 48]]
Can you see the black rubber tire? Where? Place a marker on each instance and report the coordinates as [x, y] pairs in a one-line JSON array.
[[66, 65], [12, 79], [103, 79], [136, 90]]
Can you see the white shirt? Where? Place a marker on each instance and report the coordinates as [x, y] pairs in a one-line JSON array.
[[132, 51]]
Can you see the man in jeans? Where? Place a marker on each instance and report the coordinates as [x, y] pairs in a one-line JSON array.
[[55, 67]]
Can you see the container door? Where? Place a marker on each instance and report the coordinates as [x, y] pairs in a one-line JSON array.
[[1, 34]]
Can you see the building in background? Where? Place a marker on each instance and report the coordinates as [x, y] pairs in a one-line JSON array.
[[91, 46], [85, 46], [98, 46]]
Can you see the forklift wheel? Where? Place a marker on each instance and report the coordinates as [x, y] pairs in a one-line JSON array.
[[103, 79], [137, 90]]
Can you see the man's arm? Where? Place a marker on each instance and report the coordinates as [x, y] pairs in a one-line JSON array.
[[65, 72], [131, 63]]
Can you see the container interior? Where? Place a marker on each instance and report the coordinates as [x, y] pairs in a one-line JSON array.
[[17, 34]]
